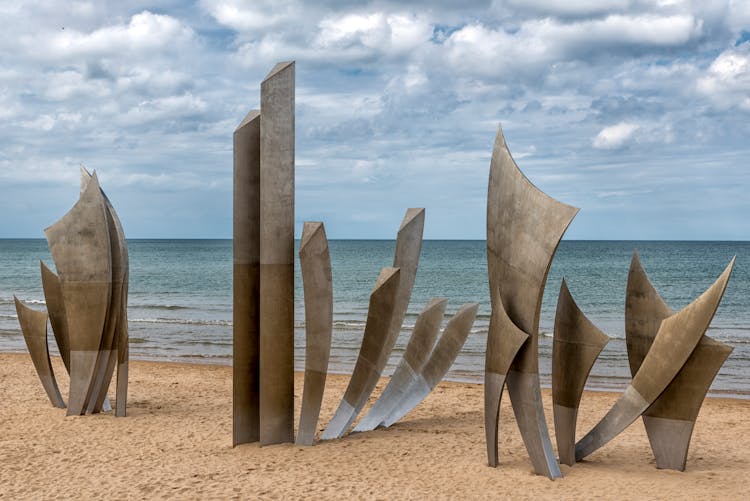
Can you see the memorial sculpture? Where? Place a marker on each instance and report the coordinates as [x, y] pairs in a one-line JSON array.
[[439, 362], [669, 421], [87, 304], [317, 280], [114, 348], [675, 341], [277, 256], [380, 312], [34, 328], [263, 332], [576, 345], [524, 228], [56, 312], [263, 286], [421, 343], [245, 282], [380, 336]]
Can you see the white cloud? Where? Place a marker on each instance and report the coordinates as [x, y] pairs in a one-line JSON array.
[[538, 44], [69, 83], [44, 123], [571, 7], [614, 136], [727, 81], [254, 15], [165, 108], [738, 16], [145, 32], [395, 99]]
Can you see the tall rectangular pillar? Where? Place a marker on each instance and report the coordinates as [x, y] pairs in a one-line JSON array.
[[246, 282], [277, 256]]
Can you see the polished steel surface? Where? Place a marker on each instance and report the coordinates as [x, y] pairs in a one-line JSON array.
[[246, 282], [317, 282], [524, 228], [670, 419], [276, 416], [123, 354], [675, 341], [80, 246], [34, 328], [108, 349], [441, 359], [417, 352], [576, 346], [379, 317], [56, 309], [374, 355], [504, 340], [628, 407]]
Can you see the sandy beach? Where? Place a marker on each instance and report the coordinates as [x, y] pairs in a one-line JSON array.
[[176, 443]]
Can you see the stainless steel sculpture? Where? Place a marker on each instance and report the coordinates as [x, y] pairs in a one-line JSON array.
[[374, 356], [80, 246], [56, 311], [34, 328], [263, 367], [675, 341], [501, 351], [123, 354], [317, 279], [417, 352], [116, 322], [524, 228], [669, 421], [87, 302], [277, 256], [440, 361], [246, 282], [379, 318], [576, 346]]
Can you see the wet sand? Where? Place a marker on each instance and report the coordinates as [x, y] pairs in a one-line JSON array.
[[176, 443]]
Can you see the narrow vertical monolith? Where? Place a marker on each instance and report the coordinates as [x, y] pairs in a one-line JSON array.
[[246, 282], [277, 256]]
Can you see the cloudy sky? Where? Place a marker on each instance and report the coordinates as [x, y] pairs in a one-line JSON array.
[[635, 111]]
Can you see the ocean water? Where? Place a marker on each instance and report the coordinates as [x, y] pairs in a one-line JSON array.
[[180, 303]]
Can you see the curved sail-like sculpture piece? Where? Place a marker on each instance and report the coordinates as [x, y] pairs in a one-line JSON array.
[[56, 311], [669, 421], [80, 246], [34, 328], [442, 358], [118, 301], [246, 282], [379, 317], [675, 341], [644, 311], [501, 351], [123, 354], [317, 281], [417, 352], [406, 259], [524, 228], [576, 346]]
